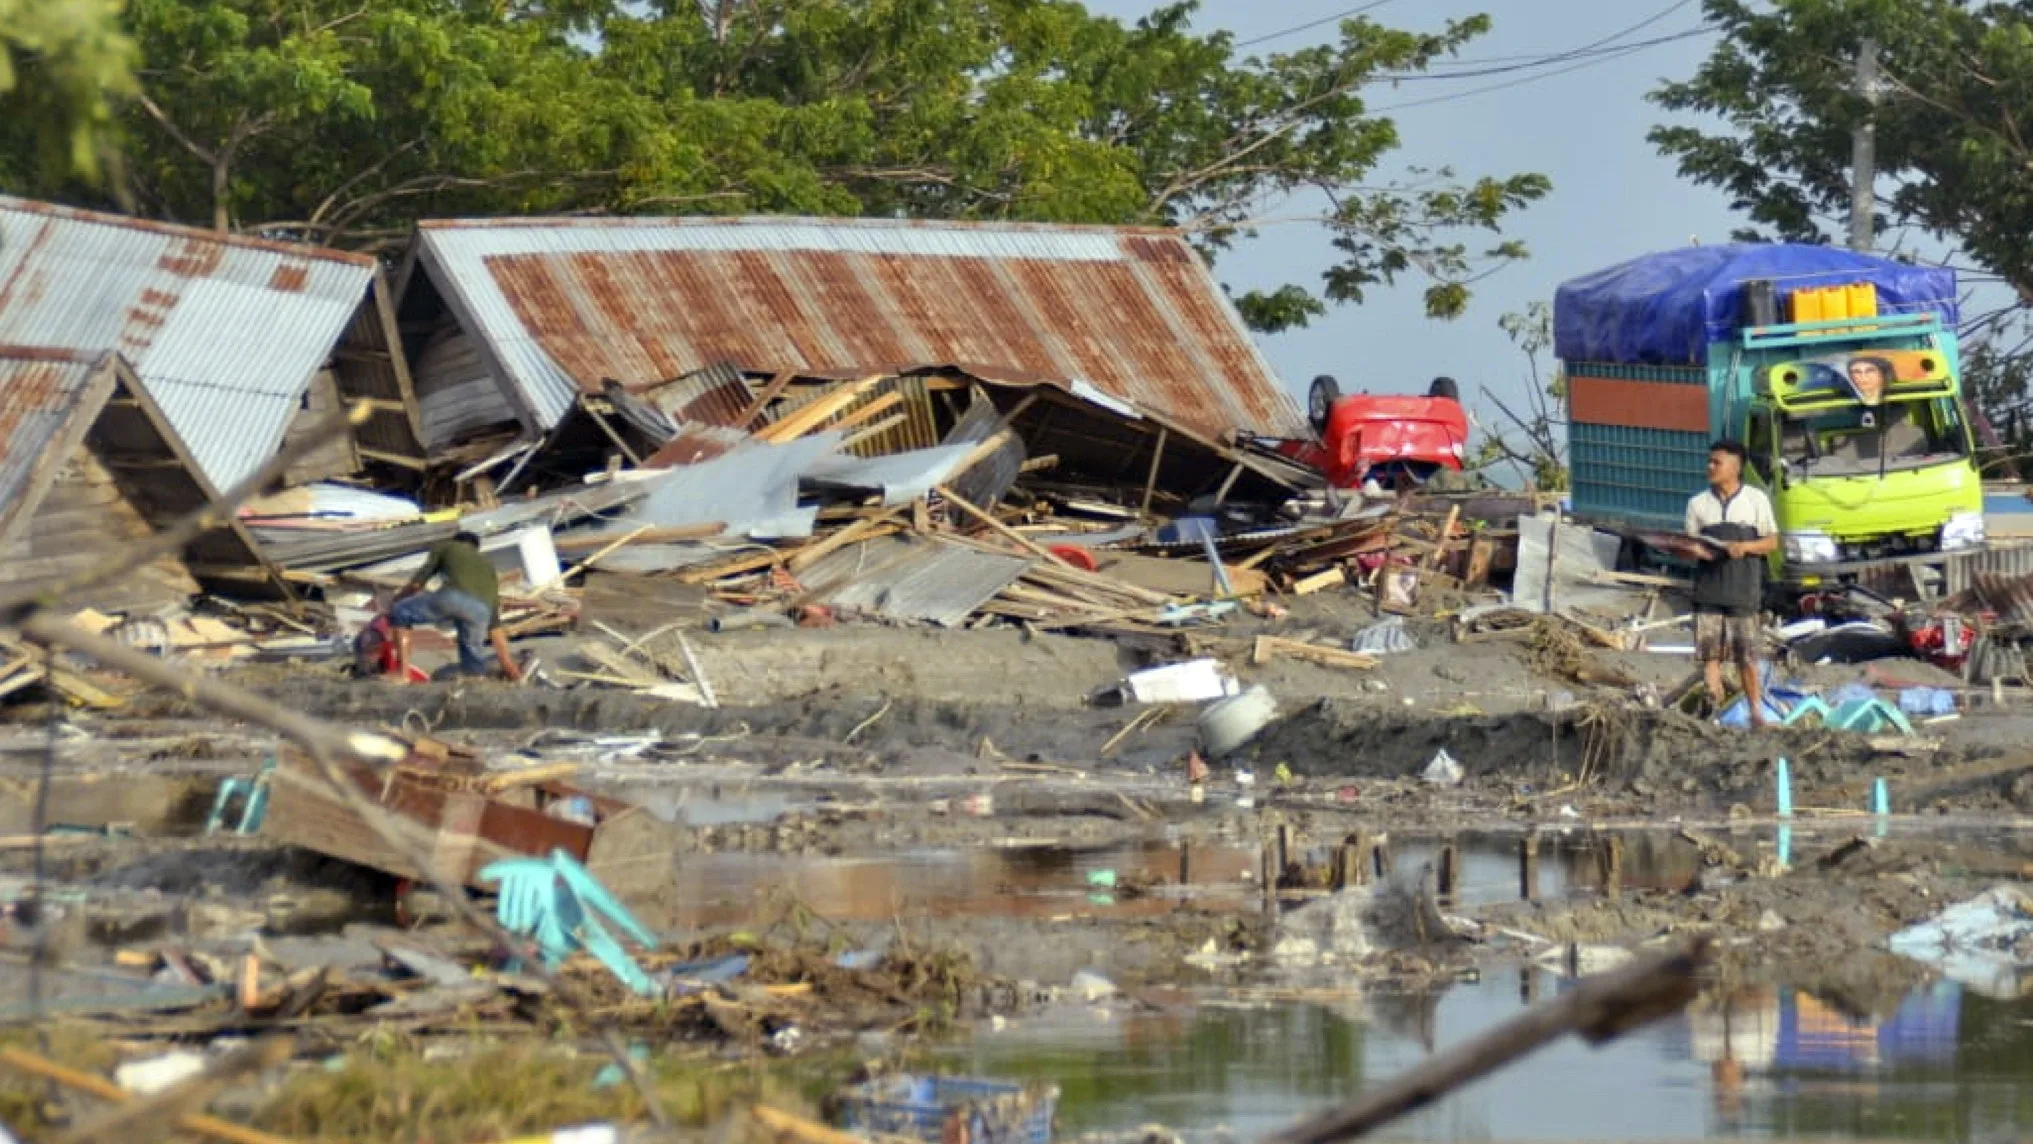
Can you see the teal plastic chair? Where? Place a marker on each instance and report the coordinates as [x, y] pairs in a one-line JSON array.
[[557, 903], [253, 811]]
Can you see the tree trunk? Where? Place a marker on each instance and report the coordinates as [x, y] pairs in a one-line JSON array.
[[222, 192]]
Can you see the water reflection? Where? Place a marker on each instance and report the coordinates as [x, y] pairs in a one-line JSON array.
[[1944, 1065]]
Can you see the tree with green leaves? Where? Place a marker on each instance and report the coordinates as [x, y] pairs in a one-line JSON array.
[[62, 63], [343, 123], [1952, 118], [1534, 442]]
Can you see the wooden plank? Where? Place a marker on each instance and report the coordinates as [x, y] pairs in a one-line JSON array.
[[1333, 577], [1178, 577], [863, 529], [876, 430], [1269, 647], [769, 393], [810, 416], [1157, 458], [1446, 531], [882, 404], [670, 535]]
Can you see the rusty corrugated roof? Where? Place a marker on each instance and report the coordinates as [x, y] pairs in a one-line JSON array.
[[225, 332], [41, 393], [563, 303]]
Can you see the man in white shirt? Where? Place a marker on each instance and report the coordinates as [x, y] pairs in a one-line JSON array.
[[1729, 585]]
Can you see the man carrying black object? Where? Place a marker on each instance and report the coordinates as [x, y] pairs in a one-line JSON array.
[[1729, 583]]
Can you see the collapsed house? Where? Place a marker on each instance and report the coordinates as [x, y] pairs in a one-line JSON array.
[[91, 464], [665, 341], [242, 343]]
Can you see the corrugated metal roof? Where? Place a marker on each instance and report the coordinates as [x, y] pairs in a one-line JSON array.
[[564, 303], [938, 583], [39, 395], [224, 332]]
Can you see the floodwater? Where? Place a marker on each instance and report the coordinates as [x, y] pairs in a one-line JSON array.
[[1947, 1065], [1152, 878]]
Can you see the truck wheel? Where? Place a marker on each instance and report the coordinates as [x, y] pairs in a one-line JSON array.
[[1320, 401], [1444, 387]]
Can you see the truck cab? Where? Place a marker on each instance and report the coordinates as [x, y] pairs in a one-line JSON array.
[[1857, 432]]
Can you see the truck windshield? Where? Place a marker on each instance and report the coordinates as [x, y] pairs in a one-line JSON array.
[[1856, 441]]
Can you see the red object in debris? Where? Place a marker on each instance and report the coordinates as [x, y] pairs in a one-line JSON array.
[[1196, 767], [815, 616], [1075, 555], [1392, 431], [376, 646]]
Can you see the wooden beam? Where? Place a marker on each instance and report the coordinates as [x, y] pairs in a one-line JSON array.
[[417, 463], [1008, 533], [808, 417], [876, 430], [1157, 457], [770, 392], [881, 404]]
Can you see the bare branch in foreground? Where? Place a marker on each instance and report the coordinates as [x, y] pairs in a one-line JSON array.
[[170, 541], [1599, 1008], [325, 744]]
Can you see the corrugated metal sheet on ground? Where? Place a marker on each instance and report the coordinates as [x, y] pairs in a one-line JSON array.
[[752, 490], [224, 332], [2000, 562], [905, 580], [564, 303], [901, 477]]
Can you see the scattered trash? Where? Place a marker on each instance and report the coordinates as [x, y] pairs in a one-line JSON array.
[[151, 1075], [1194, 681], [1090, 986], [1444, 770], [935, 1109], [1385, 637], [1984, 943], [1229, 724], [558, 904]]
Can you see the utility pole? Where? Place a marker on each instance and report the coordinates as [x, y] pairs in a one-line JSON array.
[[1864, 152]]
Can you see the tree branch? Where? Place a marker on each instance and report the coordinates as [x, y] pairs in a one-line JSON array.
[[162, 119]]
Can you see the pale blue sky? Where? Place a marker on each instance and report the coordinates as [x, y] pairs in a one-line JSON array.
[[1612, 197]]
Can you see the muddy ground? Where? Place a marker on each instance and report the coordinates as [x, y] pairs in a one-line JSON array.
[[831, 803]]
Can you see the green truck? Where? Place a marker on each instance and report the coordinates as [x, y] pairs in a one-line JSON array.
[[1840, 373]]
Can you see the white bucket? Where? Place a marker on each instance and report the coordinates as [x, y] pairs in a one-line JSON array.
[[1229, 723]]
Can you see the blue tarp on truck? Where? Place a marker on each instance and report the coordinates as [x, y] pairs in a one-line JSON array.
[[1665, 308]]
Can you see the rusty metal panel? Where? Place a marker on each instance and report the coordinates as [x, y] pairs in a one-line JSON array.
[[563, 304], [715, 395], [39, 396], [225, 332]]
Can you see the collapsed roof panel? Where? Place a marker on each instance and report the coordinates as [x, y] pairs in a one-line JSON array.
[[564, 304], [225, 332], [90, 464]]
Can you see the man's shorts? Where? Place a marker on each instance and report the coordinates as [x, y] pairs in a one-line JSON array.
[[1722, 638]]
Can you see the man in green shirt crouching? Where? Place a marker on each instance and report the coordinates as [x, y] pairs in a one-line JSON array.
[[469, 600]]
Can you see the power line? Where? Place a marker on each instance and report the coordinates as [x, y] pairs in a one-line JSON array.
[[1612, 52], [1491, 65], [1310, 25], [1607, 45], [1616, 53]]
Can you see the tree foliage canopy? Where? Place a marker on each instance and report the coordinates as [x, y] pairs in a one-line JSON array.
[[340, 121], [1953, 123], [1952, 120], [61, 64]]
